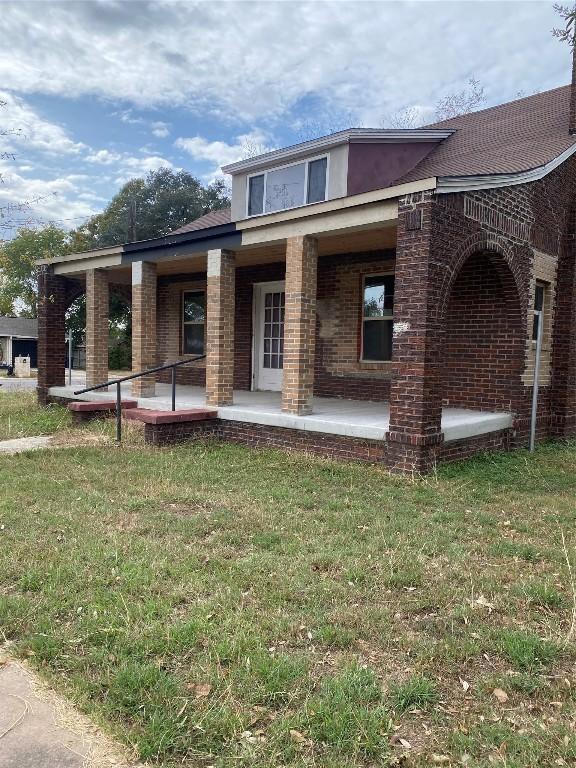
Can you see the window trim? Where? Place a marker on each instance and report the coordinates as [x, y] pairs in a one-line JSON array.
[[184, 323], [363, 319], [306, 162]]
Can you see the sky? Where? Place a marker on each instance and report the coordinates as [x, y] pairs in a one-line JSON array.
[[96, 93]]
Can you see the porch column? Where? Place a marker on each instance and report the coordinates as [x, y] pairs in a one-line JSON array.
[[97, 297], [415, 393], [220, 302], [51, 332], [300, 324], [144, 281]]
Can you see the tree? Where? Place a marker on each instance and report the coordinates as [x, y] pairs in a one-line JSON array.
[[150, 207], [461, 102], [567, 33], [18, 282]]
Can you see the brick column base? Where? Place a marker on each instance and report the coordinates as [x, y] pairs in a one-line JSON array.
[[51, 332], [300, 325], [143, 326], [412, 453], [220, 301], [97, 298]]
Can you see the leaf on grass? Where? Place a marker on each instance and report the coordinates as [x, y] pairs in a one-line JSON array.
[[465, 684], [297, 737], [395, 739], [200, 690], [484, 603], [440, 759], [501, 695]]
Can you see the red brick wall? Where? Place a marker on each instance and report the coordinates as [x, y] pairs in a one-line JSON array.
[[483, 338]]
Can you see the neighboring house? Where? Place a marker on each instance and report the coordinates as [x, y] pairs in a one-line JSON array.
[[18, 337], [381, 282]]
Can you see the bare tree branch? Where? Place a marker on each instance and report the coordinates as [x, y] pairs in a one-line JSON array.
[[462, 102], [567, 33]]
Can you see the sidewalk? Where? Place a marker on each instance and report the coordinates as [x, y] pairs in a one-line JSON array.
[[39, 729]]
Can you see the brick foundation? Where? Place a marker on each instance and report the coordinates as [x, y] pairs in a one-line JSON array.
[[329, 446]]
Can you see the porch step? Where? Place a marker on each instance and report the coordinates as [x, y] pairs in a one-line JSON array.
[[149, 416], [85, 406]]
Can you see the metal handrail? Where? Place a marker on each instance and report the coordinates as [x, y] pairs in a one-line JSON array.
[[148, 371]]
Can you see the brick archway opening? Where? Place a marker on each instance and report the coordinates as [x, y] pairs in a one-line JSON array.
[[483, 336]]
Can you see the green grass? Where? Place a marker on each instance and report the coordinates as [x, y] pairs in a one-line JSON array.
[[417, 692], [19, 416], [211, 605], [525, 650]]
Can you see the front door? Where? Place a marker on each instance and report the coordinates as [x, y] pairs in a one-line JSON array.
[[268, 335]]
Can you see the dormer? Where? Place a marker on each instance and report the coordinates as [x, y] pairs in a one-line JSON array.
[[340, 165]]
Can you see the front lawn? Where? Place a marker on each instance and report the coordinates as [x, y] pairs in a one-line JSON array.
[[219, 606], [20, 416]]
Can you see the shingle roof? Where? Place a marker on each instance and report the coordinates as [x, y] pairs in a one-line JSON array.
[[517, 136], [211, 219], [18, 326]]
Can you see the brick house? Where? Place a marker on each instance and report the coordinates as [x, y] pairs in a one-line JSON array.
[[370, 294]]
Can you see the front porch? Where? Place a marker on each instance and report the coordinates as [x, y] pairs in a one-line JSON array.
[[337, 334], [331, 416]]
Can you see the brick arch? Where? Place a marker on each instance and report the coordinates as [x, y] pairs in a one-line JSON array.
[[483, 333], [502, 254]]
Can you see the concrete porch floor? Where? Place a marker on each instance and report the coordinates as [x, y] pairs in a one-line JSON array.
[[352, 418]]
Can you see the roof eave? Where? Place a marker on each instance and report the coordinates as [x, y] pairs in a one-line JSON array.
[[351, 136], [451, 184]]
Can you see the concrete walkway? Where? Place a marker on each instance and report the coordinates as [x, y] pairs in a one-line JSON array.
[[21, 444], [39, 729]]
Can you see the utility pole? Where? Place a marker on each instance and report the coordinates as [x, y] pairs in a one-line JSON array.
[[132, 221]]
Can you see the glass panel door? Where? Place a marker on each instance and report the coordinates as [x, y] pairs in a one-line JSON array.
[[269, 308]]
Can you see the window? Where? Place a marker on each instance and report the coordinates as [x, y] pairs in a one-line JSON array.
[[193, 320], [539, 295], [288, 187], [377, 317]]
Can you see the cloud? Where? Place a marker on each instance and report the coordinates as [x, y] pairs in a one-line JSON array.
[[131, 167], [219, 153], [34, 201], [126, 166], [103, 157], [26, 128], [160, 130], [254, 62]]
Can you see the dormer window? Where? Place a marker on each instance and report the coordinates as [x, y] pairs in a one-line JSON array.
[[287, 187]]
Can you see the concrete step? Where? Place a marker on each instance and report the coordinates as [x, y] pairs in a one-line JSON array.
[[148, 416]]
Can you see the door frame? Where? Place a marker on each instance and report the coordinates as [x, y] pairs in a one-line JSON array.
[[257, 290]]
